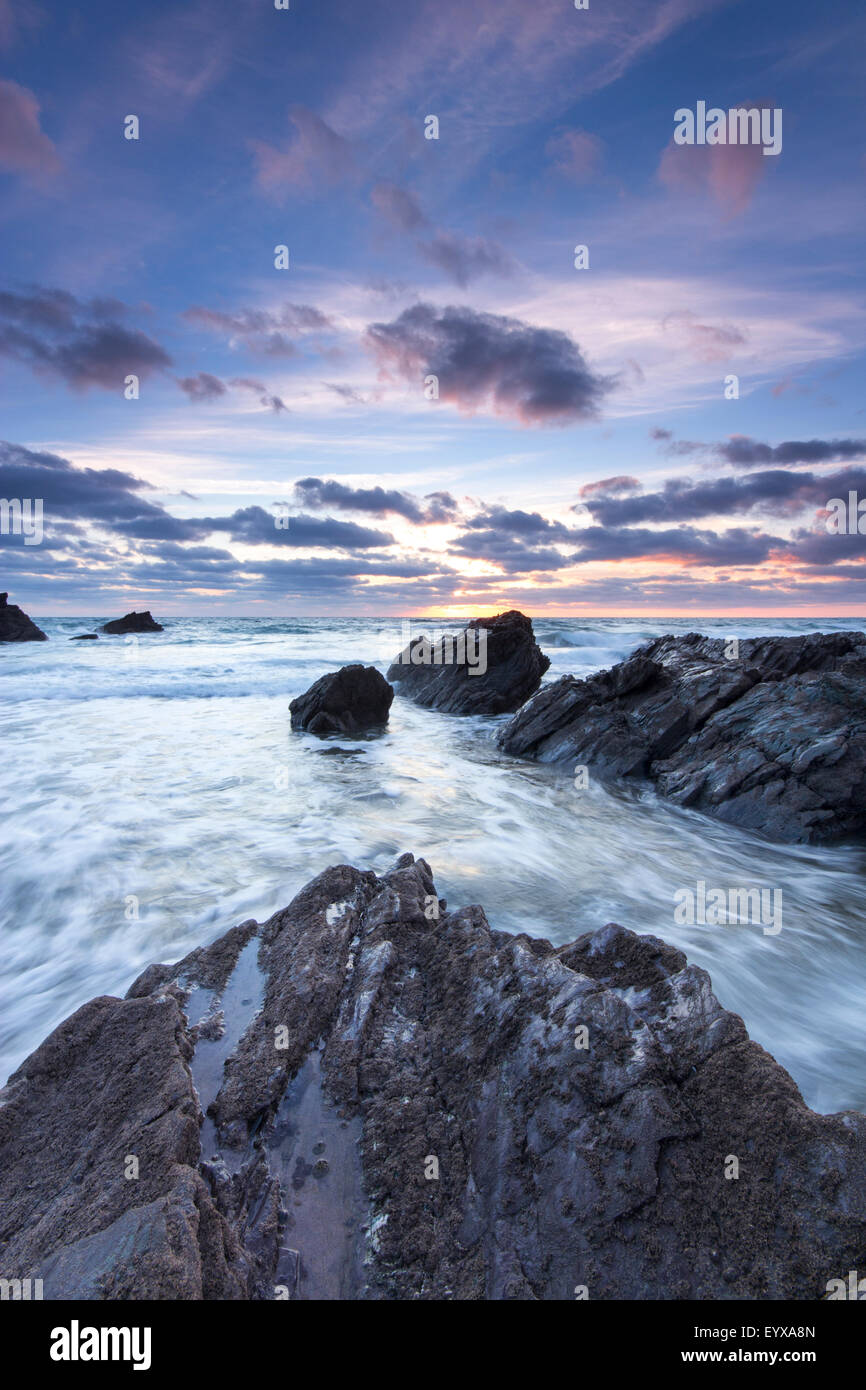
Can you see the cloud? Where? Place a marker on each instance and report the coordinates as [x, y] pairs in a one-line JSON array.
[[256, 526], [82, 342], [727, 174], [202, 387], [734, 547], [774, 491], [316, 155], [106, 496], [708, 342], [486, 361], [744, 452], [24, 148], [274, 403], [464, 259], [437, 506], [398, 206], [520, 523], [262, 331], [610, 486], [576, 154]]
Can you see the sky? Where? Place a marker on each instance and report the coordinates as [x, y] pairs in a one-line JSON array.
[[428, 403]]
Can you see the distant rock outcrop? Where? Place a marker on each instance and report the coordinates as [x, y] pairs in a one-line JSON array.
[[490, 667], [769, 734], [133, 622], [349, 701], [15, 626], [371, 1097]]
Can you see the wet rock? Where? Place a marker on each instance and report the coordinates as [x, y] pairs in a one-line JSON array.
[[503, 1120], [15, 626], [769, 737], [133, 622], [349, 701], [490, 667], [85, 637]]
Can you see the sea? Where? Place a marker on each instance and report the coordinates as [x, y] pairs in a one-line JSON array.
[[154, 794]]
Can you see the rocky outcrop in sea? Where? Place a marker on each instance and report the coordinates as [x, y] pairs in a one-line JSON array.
[[371, 1096], [489, 667], [133, 622], [15, 626], [353, 700], [768, 733]]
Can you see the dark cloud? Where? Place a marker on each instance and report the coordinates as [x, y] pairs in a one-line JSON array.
[[317, 492], [744, 452], [270, 333], [519, 523], [202, 387], [734, 547], [81, 341], [398, 206], [774, 491], [537, 375], [274, 403], [465, 259], [256, 526], [105, 496], [510, 553]]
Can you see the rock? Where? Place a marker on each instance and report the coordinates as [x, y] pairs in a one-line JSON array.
[[398, 1105], [86, 637], [15, 626], [349, 701], [772, 740], [133, 622], [490, 667]]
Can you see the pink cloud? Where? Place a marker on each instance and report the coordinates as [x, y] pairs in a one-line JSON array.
[[24, 148], [577, 154], [316, 155], [729, 174]]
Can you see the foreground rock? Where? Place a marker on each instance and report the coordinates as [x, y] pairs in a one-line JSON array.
[[397, 1106], [349, 701], [772, 740], [133, 622], [490, 667], [15, 626]]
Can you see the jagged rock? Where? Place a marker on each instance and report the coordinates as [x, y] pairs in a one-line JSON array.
[[398, 1104], [15, 626], [133, 622], [490, 667], [771, 739], [348, 701]]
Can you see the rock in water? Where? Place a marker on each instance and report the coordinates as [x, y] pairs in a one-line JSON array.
[[769, 735], [348, 701], [133, 622], [401, 1102], [15, 626], [490, 667], [85, 637]]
